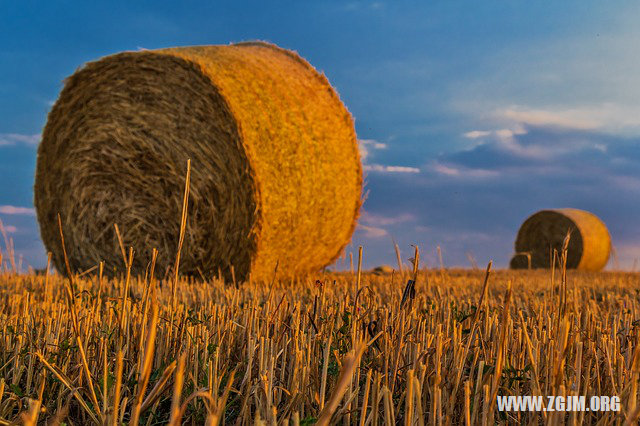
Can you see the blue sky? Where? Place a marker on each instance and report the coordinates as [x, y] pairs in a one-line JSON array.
[[471, 115]]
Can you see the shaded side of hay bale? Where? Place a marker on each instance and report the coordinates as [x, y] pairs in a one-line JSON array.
[[520, 261], [276, 175], [544, 231]]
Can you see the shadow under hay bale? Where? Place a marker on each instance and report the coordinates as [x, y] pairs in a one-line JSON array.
[[544, 231], [276, 174]]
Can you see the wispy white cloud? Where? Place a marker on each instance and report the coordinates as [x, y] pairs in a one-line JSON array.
[[446, 170], [514, 130], [462, 172], [475, 134], [576, 81], [373, 143], [531, 151], [507, 140], [571, 118], [606, 117], [380, 220], [373, 225], [366, 146], [26, 211], [372, 231], [17, 138], [390, 169]]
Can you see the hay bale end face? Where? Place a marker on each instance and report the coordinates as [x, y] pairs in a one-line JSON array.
[[541, 233], [276, 174]]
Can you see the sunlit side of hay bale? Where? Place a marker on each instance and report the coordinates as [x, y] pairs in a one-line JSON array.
[[276, 175], [589, 244]]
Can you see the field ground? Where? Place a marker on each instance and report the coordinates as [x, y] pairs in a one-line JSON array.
[[303, 352]]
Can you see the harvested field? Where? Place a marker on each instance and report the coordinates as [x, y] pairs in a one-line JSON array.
[[97, 351]]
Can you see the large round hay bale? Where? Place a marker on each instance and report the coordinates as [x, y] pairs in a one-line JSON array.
[[276, 175], [541, 233]]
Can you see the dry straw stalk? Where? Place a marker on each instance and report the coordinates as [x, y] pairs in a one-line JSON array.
[[232, 355]]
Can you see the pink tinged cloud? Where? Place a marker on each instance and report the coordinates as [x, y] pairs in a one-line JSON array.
[[13, 210]]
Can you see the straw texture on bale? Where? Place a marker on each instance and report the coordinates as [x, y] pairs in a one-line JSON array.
[[276, 174], [589, 244]]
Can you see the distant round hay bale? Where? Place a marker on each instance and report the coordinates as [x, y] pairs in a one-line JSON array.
[[276, 174], [382, 270], [589, 245]]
